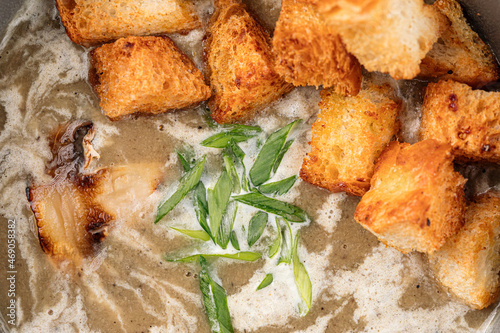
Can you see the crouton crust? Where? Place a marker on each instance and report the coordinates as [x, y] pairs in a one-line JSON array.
[[239, 64], [416, 200], [94, 22], [469, 263], [389, 36], [459, 54], [146, 75], [467, 119], [348, 137], [310, 52]]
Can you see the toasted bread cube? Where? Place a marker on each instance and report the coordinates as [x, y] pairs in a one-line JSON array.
[[348, 137], [91, 22], [467, 119], [390, 36], [459, 54], [416, 200], [310, 52], [240, 64], [145, 74], [469, 263]]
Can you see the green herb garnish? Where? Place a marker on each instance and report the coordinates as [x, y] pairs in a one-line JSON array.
[[265, 282], [218, 199], [227, 224], [216, 211], [236, 150], [239, 154], [286, 245], [280, 187], [256, 227], [201, 206], [198, 234], [302, 279], [234, 240], [238, 133], [275, 246], [187, 183], [215, 301], [268, 155], [287, 211], [245, 256], [231, 170], [281, 155], [185, 164]]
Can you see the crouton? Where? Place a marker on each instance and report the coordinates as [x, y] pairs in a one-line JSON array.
[[310, 52], [416, 200], [98, 21], [459, 54], [348, 137], [467, 119], [390, 36], [469, 263], [145, 74], [240, 64]]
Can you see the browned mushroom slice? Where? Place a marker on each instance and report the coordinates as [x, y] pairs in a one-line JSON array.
[[68, 226], [124, 189], [74, 211], [73, 216]]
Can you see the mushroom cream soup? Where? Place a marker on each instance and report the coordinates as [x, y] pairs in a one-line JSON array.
[[358, 284]]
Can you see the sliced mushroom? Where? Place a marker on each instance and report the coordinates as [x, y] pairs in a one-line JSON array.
[[75, 210]]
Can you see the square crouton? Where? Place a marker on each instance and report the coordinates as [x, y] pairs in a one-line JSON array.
[[98, 21], [469, 263], [467, 119], [416, 200], [390, 36], [240, 64], [145, 74], [348, 137], [459, 54], [310, 52]]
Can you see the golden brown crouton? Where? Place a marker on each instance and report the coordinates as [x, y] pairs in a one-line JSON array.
[[390, 36], [145, 74], [416, 200], [310, 52], [240, 64], [467, 119], [469, 263], [94, 22], [459, 54], [348, 137]]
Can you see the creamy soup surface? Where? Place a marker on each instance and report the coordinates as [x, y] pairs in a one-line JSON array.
[[358, 283]]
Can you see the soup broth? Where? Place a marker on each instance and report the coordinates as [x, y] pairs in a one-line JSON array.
[[358, 283]]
